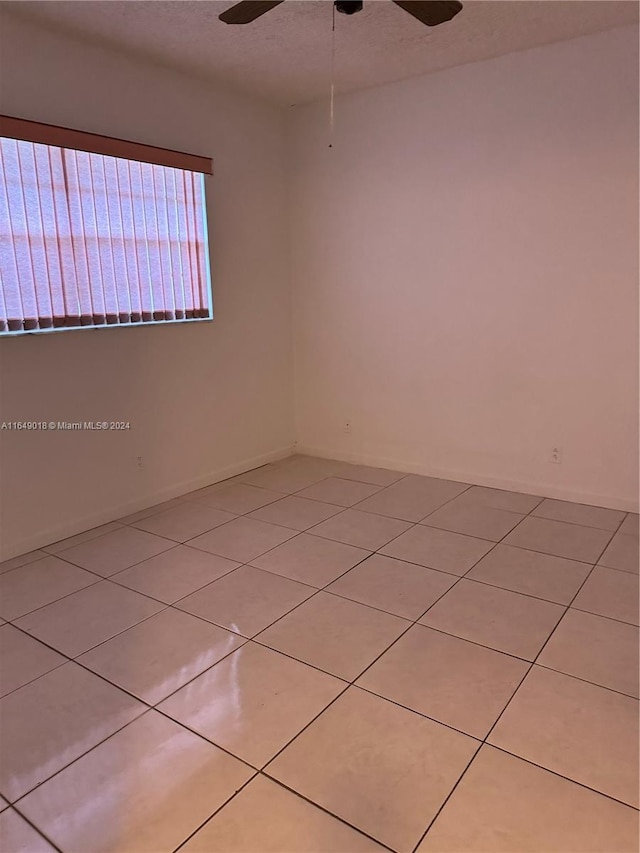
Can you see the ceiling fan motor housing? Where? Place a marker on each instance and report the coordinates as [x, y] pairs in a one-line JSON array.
[[348, 7]]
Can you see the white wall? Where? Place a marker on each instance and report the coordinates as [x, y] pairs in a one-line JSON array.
[[204, 400], [465, 272]]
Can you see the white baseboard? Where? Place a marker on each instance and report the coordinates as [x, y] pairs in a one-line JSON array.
[[544, 490], [79, 525]]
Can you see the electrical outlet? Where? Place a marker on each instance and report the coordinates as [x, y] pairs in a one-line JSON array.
[[556, 456], [139, 461], [347, 426]]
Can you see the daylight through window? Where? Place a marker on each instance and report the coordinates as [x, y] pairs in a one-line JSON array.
[[90, 239]]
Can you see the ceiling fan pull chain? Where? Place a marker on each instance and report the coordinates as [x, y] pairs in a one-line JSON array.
[[333, 74]]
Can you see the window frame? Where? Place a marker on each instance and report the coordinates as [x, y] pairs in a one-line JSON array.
[[26, 130]]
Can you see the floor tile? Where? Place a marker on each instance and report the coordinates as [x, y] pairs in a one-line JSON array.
[[117, 550], [502, 620], [152, 510], [86, 536], [282, 480], [253, 702], [243, 539], [88, 617], [311, 559], [184, 521], [589, 516], [573, 541], [17, 836], [382, 768], [611, 593], [39, 583], [104, 773], [334, 490], [237, 498], [622, 553], [541, 575], [174, 574], [501, 499], [23, 659], [362, 529], [413, 497], [631, 525], [583, 732], [246, 600], [450, 680], [22, 560], [334, 634], [52, 721], [368, 474], [438, 549], [296, 512], [303, 463], [266, 817], [596, 649], [504, 805], [110, 801], [473, 519], [401, 588], [158, 656]]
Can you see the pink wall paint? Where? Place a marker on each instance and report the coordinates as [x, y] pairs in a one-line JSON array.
[[465, 272]]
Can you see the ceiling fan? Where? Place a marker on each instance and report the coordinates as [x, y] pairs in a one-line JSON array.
[[429, 12]]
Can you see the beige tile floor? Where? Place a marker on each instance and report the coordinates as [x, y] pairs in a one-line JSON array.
[[318, 657]]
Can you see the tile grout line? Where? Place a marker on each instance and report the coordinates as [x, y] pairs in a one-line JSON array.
[[459, 578], [254, 637], [342, 509], [163, 609], [359, 675], [413, 623], [154, 707], [296, 794], [217, 811], [99, 579], [485, 739], [348, 684], [34, 827], [233, 479], [146, 710], [561, 776], [602, 616], [526, 674]]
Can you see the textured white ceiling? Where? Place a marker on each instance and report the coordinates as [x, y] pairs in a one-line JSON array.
[[285, 57]]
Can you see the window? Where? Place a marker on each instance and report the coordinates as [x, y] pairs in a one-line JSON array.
[[98, 232]]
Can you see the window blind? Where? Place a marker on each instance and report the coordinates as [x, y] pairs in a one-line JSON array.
[[92, 239]]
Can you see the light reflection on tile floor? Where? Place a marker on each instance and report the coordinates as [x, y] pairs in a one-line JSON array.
[[319, 657]]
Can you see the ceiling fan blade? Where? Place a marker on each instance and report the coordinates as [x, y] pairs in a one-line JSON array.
[[431, 12], [247, 11]]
